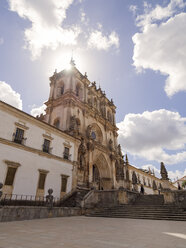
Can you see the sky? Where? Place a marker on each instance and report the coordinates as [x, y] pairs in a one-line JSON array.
[[135, 50]]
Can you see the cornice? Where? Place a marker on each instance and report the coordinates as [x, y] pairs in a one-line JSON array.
[[29, 118], [34, 150]]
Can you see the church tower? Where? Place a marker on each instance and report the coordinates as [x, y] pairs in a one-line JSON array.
[[81, 109]]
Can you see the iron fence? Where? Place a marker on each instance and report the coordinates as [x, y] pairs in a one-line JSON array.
[[26, 200]]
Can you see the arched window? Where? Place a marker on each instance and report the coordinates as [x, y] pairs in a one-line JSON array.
[[56, 123], [60, 89], [96, 176]]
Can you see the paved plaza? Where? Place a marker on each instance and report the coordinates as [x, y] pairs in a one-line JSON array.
[[89, 232]]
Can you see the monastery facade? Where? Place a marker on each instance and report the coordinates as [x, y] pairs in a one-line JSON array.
[[73, 145]]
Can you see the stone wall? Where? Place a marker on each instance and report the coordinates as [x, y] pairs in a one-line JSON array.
[[9, 213], [177, 197], [109, 198]]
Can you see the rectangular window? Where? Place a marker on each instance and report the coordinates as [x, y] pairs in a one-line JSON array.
[[41, 184], [64, 183], [10, 176], [46, 146], [19, 136], [66, 153]]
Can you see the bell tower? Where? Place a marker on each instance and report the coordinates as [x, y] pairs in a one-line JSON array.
[[80, 108]]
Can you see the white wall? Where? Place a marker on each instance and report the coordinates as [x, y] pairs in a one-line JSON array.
[[27, 175], [34, 135]]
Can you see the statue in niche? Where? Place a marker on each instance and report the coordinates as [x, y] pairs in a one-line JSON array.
[[103, 110], [163, 172], [119, 150], [134, 178], [72, 123], [88, 132], [81, 155], [119, 171]]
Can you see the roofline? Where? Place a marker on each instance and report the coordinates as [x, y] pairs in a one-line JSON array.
[[37, 120]]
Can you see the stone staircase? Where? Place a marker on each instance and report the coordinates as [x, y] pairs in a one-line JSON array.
[[158, 212], [145, 207], [74, 198], [149, 200]]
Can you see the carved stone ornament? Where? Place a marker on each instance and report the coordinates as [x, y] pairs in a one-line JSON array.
[[110, 145], [154, 186], [134, 178], [163, 172], [88, 132], [119, 150], [119, 171], [81, 155], [90, 145], [127, 175], [74, 125]]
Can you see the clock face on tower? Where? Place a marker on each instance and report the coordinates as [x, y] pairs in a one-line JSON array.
[[93, 135]]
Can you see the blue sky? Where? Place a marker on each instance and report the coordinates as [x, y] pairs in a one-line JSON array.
[[136, 51]]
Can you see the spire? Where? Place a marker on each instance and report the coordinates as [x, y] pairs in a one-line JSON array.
[[72, 62], [126, 159]]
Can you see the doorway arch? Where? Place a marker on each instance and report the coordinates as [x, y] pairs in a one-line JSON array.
[[101, 173]]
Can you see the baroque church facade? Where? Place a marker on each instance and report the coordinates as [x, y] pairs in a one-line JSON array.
[[79, 108], [73, 145]]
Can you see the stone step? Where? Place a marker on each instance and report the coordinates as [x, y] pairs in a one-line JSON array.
[[158, 212], [175, 218]]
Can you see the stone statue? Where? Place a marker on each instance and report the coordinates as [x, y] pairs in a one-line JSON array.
[[81, 155], [119, 171], [72, 123], [154, 186], [126, 159], [134, 178], [119, 150], [88, 132], [49, 199], [163, 172]]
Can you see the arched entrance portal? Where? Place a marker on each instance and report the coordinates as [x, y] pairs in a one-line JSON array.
[[96, 177], [101, 174]]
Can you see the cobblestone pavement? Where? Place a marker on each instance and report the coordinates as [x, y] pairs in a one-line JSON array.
[[89, 232]]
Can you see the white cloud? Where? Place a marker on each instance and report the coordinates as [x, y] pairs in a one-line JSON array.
[[133, 9], [158, 13], [101, 42], [8, 95], [159, 135], [46, 17], [38, 110], [162, 47], [172, 175]]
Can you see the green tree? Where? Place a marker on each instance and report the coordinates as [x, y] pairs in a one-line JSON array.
[[184, 184]]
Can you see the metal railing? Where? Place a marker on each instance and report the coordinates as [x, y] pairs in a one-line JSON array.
[[26, 200]]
